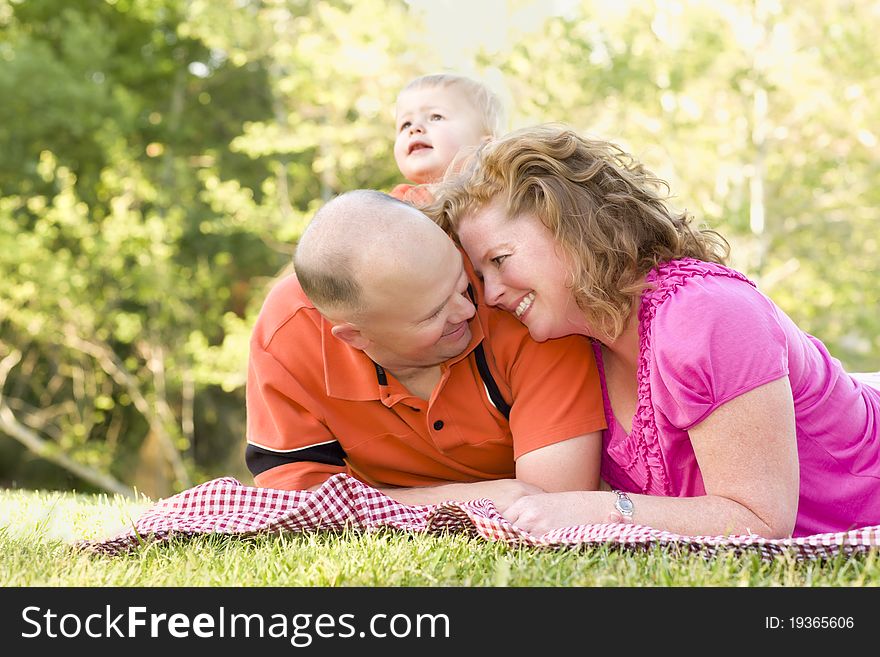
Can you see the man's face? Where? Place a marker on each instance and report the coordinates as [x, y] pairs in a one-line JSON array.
[[433, 124], [422, 319]]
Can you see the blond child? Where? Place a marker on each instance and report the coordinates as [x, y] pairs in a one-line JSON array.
[[437, 117]]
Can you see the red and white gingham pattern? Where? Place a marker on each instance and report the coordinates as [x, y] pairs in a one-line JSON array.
[[226, 506]]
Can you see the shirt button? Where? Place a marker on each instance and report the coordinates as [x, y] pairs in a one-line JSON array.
[[438, 425]]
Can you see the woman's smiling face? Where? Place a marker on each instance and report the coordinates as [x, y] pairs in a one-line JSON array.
[[523, 270]]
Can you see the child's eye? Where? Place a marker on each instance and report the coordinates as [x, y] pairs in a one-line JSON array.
[[497, 260], [404, 125], [436, 117]]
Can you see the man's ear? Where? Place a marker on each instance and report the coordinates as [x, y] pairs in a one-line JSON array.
[[350, 335]]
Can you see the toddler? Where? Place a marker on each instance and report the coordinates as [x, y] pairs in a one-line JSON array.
[[436, 117]]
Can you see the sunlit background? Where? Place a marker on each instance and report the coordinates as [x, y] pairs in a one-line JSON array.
[[159, 158]]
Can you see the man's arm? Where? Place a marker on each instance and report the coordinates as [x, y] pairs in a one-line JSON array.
[[502, 492], [289, 447], [557, 411], [572, 464], [294, 469], [542, 470]]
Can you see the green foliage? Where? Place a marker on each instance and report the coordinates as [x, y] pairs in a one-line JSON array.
[[123, 276], [154, 182]]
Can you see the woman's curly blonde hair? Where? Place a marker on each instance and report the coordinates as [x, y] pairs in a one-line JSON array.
[[602, 206]]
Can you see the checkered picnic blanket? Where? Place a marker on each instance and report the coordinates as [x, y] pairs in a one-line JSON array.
[[226, 506]]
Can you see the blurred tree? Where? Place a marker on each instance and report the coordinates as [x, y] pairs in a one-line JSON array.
[[140, 290]]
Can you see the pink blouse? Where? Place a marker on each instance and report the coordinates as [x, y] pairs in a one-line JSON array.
[[708, 335]]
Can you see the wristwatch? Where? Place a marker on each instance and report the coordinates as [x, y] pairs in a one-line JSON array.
[[624, 505]]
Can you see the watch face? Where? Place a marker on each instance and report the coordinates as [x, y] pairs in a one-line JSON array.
[[624, 505]]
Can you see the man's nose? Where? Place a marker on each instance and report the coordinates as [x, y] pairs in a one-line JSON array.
[[464, 310]]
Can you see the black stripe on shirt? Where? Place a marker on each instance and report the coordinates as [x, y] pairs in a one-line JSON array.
[[260, 460], [485, 373]]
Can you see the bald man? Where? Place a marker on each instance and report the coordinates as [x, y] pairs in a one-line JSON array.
[[373, 360]]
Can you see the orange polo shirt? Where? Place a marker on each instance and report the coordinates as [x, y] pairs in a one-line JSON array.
[[316, 406], [417, 195]]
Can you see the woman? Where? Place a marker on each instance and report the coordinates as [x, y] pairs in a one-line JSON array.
[[724, 417]]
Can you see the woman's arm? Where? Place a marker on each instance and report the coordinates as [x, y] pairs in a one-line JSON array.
[[747, 453]]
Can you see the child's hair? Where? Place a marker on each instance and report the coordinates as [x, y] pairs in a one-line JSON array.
[[488, 104]]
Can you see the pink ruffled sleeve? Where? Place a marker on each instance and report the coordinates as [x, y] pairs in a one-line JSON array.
[[714, 339]]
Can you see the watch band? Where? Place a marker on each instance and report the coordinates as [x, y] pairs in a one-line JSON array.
[[624, 505]]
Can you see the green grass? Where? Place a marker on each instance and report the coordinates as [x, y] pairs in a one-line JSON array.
[[37, 528]]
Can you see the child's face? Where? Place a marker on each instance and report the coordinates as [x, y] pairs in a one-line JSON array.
[[433, 123]]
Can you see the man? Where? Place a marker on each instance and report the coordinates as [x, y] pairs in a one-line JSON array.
[[373, 360]]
